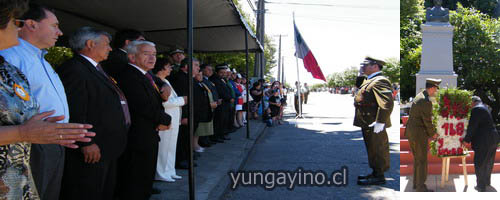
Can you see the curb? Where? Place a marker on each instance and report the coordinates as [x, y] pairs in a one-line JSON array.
[[224, 185]]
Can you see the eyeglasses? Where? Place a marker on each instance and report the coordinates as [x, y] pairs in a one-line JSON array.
[[19, 23]]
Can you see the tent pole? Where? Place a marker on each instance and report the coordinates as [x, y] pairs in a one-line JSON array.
[[246, 85], [190, 96]]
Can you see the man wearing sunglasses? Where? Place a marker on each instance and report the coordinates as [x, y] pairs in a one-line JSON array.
[[40, 30]]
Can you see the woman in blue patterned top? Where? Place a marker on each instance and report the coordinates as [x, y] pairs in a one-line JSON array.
[[20, 122]]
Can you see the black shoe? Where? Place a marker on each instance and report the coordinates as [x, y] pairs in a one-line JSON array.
[[220, 141], [205, 144], [365, 176], [480, 189], [372, 181], [155, 191]]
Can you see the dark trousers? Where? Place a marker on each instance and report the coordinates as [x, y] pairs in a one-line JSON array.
[[136, 173], [377, 147], [296, 102], [484, 159], [219, 121], [230, 114], [306, 96], [419, 148], [83, 181], [47, 166], [182, 149], [183, 143]]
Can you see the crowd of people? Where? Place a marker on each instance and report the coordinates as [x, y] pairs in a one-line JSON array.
[[112, 119]]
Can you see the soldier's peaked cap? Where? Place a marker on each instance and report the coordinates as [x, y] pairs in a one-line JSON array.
[[371, 61], [176, 50], [221, 67], [433, 81]]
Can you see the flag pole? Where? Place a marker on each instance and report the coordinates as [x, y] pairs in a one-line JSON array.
[[298, 78]]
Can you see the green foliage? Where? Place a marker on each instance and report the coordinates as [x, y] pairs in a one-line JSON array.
[[237, 60], [452, 102], [412, 16], [485, 6], [433, 147], [342, 79], [476, 56], [58, 55], [476, 47], [317, 86], [410, 65], [392, 69]]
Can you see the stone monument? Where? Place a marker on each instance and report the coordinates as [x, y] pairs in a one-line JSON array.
[[437, 48]]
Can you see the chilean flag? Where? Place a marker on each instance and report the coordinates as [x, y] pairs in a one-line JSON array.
[[303, 52]]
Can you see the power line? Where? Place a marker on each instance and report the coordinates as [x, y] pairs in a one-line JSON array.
[[330, 5], [333, 20], [251, 5]]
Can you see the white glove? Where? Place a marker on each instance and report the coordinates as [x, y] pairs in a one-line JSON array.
[[377, 127]]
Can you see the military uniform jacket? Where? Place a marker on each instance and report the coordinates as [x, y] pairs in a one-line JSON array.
[[374, 102], [419, 124]]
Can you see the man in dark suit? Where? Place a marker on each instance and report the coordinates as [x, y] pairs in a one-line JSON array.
[[483, 135], [207, 72], [220, 120], [180, 83], [93, 98], [117, 59], [138, 163]]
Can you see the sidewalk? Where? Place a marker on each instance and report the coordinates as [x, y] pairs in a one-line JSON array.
[[456, 183], [211, 179]]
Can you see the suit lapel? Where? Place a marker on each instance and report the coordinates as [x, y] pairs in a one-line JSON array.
[[145, 81], [93, 70]]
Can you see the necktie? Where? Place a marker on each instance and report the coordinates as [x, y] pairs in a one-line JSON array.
[[152, 82], [123, 100]]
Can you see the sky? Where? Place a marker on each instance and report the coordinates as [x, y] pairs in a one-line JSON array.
[[340, 33]]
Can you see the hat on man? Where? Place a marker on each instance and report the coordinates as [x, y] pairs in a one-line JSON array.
[[371, 61], [176, 50], [220, 67], [433, 81]]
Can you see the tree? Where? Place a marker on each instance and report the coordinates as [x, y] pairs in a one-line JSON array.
[[237, 60], [392, 69], [476, 55], [57, 55], [412, 16]]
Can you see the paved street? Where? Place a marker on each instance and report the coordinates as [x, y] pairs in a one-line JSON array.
[[324, 140]]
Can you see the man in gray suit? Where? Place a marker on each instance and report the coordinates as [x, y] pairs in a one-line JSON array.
[[482, 133]]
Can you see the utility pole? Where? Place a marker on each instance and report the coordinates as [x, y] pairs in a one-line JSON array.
[[279, 62], [279, 76], [259, 57], [283, 70]]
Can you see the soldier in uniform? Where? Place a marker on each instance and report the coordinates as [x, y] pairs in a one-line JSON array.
[[374, 105], [177, 56], [419, 129]]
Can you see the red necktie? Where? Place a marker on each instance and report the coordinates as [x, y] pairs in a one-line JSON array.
[[123, 100], [152, 82]]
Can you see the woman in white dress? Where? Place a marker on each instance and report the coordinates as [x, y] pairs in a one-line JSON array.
[[165, 167]]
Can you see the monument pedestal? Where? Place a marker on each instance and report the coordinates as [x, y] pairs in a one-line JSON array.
[[437, 55]]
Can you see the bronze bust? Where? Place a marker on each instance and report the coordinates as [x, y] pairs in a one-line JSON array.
[[437, 13]]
